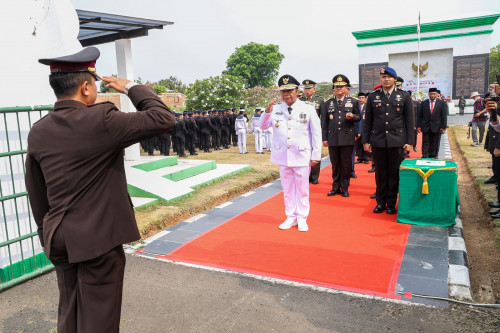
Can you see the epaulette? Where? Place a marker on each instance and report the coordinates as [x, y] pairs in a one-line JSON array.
[[310, 103], [36, 122], [105, 102], [353, 98]]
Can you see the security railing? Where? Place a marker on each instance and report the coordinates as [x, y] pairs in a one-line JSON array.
[[21, 255]]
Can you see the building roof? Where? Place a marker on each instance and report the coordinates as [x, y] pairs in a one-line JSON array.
[[461, 23], [99, 28]]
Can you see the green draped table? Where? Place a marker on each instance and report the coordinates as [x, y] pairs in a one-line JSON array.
[[432, 202]]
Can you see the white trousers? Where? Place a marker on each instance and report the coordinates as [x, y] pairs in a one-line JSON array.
[[295, 184], [257, 132], [268, 140], [242, 140]]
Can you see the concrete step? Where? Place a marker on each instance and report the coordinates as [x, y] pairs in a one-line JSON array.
[[149, 163], [185, 168]]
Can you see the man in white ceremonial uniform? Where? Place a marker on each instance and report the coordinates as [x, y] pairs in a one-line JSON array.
[[241, 127], [268, 138], [257, 131], [296, 147]]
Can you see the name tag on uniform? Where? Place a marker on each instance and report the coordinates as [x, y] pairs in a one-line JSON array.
[[377, 101], [279, 113]]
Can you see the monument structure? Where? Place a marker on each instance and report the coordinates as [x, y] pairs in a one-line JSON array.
[[454, 55]]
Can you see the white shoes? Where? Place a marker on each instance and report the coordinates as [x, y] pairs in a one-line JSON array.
[[289, 222], [302, 224]]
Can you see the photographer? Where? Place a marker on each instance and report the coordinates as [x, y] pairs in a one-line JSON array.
[[493, 109]]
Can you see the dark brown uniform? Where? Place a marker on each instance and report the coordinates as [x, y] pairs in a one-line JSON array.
[[78, 194]]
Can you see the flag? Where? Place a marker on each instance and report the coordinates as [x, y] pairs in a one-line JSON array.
[[418, 27]]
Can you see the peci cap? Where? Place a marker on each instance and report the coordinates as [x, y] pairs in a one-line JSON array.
[[433, 89], [340, 80], [287, 82], [361, 94], [308, 84], [83, 61], [389, 71]]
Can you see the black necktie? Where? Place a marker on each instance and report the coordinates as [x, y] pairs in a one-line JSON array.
[[339, 101], [289, 110], [387, 94]]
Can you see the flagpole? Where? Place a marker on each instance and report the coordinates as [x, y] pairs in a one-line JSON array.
[[418, 59]]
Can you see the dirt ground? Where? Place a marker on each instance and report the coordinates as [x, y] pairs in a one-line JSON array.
[[480, 231]]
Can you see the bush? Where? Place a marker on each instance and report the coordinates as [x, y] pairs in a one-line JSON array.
[[219, 92]]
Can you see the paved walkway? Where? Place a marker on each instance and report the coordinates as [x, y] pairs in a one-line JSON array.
[[424, 269]]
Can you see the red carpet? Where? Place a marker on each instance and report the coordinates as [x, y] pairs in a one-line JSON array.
[[347, 246]]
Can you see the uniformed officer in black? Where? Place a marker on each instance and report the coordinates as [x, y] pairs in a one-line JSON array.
[[232, 129], [337, 123], [387, 132], [192, 130], [226, 123], [180, 135], [164, 143], [317, 101], [205, 129]]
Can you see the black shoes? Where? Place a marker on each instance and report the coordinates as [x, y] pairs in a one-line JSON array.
[[345, 194], [366, 162], [332, 193], [379, 209], [353, 175], [391, 210], [371, 170], [373, 196], [494, 204], [492, 180], [314, 182], [357, 162]]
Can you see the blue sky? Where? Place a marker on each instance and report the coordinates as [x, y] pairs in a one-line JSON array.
[[314, 35]]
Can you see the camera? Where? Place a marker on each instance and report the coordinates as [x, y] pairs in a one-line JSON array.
[[494, 90]]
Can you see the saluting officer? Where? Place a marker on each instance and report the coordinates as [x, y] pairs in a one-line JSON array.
[[387, 131], [75, 178], [337, 123], [317, 101], [296, 147]]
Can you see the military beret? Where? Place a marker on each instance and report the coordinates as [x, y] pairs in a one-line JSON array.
[[209, 111], [83, 61], [287, 82], [399, 81], [433, 89], [308, 83], [389, 71], [190, 113], [340, 80], [203, 112]]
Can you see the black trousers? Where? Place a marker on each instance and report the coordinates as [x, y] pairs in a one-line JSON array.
[[181, 144], [205, 141], [387, 161], [360, 151], [314, 174], [164, 144], [340, 157], [234, 137], [90, 292], [190, 144], [496, 171], [430, 144]]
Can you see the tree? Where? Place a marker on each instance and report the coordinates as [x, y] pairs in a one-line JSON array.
[[260, 96], [494, 63], [103, 87], [218, 92], [257, 64], [173, 83]]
